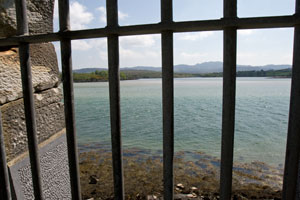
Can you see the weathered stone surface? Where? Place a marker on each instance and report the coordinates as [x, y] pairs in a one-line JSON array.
[[54, 170], [39, 15], [44, 71], [49, 116]]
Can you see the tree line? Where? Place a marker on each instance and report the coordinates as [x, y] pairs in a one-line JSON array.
[[101, 76]]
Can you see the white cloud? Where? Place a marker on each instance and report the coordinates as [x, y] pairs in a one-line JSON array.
[[183, 57], [138, 41], [102, 11], [100, 43], [103, 55], [81, 45], [102, 14], [245, 32], [263, 58], [122, 15], [126, 54], [195, 36], [192, 55], [80, 17]]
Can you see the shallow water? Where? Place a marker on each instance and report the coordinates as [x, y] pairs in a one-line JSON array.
[[261, 116]]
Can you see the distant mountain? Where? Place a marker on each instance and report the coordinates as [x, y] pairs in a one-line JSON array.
[[209, 67], [206, 67]]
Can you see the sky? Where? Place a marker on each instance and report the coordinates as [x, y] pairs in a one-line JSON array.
[[254, 47]]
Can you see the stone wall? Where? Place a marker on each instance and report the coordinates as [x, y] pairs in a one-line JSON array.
[[47, 96], [49, 108], [39, 15]]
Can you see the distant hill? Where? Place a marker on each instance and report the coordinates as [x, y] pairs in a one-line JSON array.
[[206, 67]]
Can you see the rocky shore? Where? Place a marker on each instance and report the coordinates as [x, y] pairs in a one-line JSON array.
[[196, 176]]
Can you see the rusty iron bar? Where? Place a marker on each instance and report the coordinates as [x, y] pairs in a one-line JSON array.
[[293, 137], [5, 192], [24, 53], [67, 79], [187, 26], [167, 100], [114, 99], [229, 91]]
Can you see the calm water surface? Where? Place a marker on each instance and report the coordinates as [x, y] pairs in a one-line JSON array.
[[261, 116]]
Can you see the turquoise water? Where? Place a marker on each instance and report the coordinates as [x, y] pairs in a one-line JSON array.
[[261, 116]]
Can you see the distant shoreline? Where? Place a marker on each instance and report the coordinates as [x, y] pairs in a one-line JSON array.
[[270, 77], [102, 76]]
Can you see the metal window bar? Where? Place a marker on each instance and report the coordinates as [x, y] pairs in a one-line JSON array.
[[5, 192], [167, 99], [24, 53], [229, 86], [229, 24], [293, 141], [114, 99], [67, 79], [187, 26]]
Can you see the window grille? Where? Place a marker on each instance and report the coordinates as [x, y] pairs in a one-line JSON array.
[[230, 23]]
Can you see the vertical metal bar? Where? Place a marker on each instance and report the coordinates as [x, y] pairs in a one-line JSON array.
[[5, 193], [168, 100], [67, 76], [24, 53], [114, 98], [229, 90], [168, 113], [293, 138]]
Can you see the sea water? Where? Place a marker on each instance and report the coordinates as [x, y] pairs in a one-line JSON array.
[[262, 106]]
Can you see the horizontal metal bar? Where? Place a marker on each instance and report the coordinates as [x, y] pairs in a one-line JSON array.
[[205, 25], [5, 193], [67, 79]]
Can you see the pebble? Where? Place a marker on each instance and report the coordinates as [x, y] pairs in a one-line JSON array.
[[180, 186], [191, 195], [193, 188], [93, 179], [151, 197]]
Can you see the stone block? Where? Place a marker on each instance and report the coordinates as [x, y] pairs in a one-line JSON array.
[[39, 15], [44, 66], [49, 117]]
